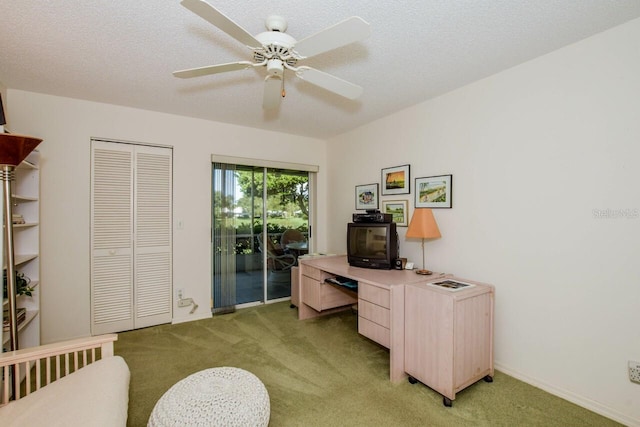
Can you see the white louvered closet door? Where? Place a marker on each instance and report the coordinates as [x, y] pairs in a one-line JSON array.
[[131, 263], [152, 226]]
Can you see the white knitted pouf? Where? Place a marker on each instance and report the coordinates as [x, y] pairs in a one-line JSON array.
[[214, 397]]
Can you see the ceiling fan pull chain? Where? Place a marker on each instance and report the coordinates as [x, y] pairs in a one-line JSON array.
[[283, 93]]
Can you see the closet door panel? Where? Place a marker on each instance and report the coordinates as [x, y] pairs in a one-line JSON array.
[[111, 239], [153, 243]]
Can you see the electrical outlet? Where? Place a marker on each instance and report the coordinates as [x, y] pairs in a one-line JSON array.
[[634, 371], [179, 293]]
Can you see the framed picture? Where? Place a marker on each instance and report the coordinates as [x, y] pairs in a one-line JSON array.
[[398, 209], [434, 191], [396, 180], [367, 196]]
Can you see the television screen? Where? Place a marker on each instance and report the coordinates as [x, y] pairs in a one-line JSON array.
[[372, 245]]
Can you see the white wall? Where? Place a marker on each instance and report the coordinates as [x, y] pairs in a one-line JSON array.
[[534, 152], [66, 126]]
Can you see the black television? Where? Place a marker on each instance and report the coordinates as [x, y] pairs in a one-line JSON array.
[[372, 245]]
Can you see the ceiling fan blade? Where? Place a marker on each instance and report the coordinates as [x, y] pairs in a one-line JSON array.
[[212, 69], [329, 82], [343, 33], [214, 16], [272, 92]]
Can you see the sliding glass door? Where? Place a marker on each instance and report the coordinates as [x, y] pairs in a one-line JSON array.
[[260, 228]]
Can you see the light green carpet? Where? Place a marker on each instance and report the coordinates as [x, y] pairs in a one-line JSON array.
[[321, 372]]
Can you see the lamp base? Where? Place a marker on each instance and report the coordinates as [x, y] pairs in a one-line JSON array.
[[424, 272]]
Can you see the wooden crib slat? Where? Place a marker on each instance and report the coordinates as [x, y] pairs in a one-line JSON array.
[[5, 389], [38, 373], [27, 388], [16, 380], [47, 379]]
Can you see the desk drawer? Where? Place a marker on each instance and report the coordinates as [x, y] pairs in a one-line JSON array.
[[374, 313], [314, 273], [373, 331], [374, 294]]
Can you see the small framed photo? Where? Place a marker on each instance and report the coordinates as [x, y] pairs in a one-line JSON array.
[[434, 191], [398, 209], [367, 196], [396, 180]]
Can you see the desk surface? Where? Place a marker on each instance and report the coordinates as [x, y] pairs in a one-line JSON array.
[[339, 266]]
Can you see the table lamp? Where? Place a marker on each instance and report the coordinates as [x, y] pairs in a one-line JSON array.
[[423, 226], [13, 150]]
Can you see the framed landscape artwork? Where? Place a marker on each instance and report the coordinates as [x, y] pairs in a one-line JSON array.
[[367, 196], [398, 209], [434, 191], [396, 180]]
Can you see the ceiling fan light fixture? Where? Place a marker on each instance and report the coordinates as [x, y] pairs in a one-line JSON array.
[[275, 67]]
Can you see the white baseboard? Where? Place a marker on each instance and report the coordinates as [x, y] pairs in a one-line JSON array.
[[589, 404], [202, 316]]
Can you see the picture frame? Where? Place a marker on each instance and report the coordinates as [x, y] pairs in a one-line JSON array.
[[434, 192], [396, 180], [367, 196], [399, 209]]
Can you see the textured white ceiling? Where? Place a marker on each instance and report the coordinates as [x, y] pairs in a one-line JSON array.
[[123, 52]]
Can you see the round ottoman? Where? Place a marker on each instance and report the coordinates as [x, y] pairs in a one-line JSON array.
[[214, 397]]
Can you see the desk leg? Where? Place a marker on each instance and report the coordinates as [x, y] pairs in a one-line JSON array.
[[396, 348]]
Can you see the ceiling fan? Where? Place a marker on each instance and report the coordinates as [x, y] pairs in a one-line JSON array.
[[278, 51]]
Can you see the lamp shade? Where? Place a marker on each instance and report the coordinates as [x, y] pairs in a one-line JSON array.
[[423, 225], [15, 148]]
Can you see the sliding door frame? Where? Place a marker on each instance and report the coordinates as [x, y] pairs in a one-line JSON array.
[[312, 170]]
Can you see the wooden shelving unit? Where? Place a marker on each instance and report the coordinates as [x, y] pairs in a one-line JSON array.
[[26, 202]]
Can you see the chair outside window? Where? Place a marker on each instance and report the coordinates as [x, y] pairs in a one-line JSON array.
[[294, 242], [277, 259]]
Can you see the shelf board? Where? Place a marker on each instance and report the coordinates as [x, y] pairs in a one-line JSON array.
[[25, 225], [22, 258], [21, 199], [25, 164], [29, 317]]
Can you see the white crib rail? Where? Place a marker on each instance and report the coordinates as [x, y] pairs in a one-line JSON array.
[[81, 352]]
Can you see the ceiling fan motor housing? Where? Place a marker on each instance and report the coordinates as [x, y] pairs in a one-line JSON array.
[[276, 23]]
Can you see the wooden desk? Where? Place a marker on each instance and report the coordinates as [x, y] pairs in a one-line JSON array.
[[380, 300], [439, 336]]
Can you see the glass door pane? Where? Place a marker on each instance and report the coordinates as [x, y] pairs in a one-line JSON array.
[[249, 225], [257, 234], [287, 219]]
